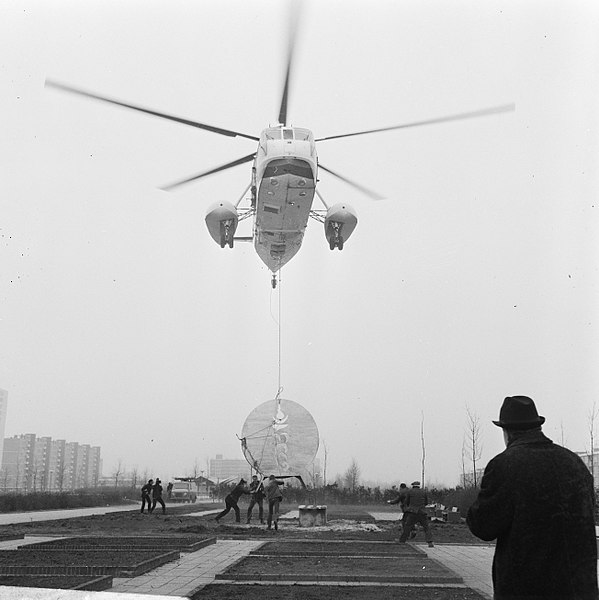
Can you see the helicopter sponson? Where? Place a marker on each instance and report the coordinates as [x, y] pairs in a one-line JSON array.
[[222, 219], [339, 223]]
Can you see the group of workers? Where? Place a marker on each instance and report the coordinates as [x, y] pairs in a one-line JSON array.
[[151, 494], [258, 490]]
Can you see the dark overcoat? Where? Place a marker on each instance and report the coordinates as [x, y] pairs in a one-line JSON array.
[[237, 491], [537, 501]]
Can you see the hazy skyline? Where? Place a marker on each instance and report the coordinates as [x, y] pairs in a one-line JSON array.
[[122, 323]]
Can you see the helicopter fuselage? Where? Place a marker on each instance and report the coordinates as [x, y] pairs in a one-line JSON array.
[[284, 180]]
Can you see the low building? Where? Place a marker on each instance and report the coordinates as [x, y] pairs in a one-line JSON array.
[[591, 460]]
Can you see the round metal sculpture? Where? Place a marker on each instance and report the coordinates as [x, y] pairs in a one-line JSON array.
[[280, 437]]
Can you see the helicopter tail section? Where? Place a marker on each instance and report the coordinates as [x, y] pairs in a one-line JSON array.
[[339, 223]]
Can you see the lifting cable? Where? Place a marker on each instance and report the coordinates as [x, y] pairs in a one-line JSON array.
[[270, 427], [279, 342]]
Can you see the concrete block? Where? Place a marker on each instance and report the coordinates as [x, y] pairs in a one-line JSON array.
[[312, 516], [454, 517]]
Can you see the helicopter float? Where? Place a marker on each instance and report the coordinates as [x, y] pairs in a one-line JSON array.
[[283, 181]]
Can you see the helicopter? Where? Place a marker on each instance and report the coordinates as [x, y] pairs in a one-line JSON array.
[[283, 181]]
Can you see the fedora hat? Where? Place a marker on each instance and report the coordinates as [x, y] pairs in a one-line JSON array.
[[519, 412]]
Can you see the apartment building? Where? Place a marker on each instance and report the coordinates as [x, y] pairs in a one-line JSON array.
[[38, 464]]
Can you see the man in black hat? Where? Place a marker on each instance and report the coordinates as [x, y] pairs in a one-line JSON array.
[[537, 500]]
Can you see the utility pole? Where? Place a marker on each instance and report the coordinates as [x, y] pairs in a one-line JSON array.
[[422, 442]]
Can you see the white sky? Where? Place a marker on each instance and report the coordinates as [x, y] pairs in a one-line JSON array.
[[122, 323]]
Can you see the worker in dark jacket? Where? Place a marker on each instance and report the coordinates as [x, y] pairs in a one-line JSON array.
[[537, 500], [272, 492], [157, 496], [146, 495], [257, 497], [232, 499], [415, 502], [401, 496]]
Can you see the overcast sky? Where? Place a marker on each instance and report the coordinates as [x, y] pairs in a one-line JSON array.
[[122, 323]]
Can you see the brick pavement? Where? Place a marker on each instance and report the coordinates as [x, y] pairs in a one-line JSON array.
[[471, 563], [197, 569], [191, 572], [67, 513]]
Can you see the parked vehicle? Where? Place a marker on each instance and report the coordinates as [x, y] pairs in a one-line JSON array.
[[183, 491]]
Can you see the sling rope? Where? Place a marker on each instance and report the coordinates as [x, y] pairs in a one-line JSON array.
[[270, 428], [279, 338]]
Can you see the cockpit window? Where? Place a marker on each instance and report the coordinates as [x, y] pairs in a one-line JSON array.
[[302, 134], [287, 133]]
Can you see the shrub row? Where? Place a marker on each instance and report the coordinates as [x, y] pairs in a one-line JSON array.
[[12, 502], [334, 494]]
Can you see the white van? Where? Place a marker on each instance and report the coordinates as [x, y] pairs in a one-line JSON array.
[[183, 491]]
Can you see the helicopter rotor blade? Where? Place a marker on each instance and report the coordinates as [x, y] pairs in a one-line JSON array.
[[459, 117], [224, 167], [293, 26], [86, 94], [368, 192]]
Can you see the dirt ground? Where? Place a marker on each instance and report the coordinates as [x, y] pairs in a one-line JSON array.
[[332, 592], [59, 582], [287, 547], [125, 559], [286, 567], [345, 522]]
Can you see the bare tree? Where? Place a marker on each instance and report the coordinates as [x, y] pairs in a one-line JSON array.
[[117, 472], [4, 477], [473, 443], [422, 444], [464, 462], [338, 479], [81, 476], [325, 449], [592, 418], [351, 478], [134, 476], [60, 472], [32, 474], [18, 473], [195, 469]]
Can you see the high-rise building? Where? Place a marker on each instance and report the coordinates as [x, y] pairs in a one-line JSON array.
[[56, 468], [40, 467], [224, 468], [3, 408], [17, 462], [33, 464]]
